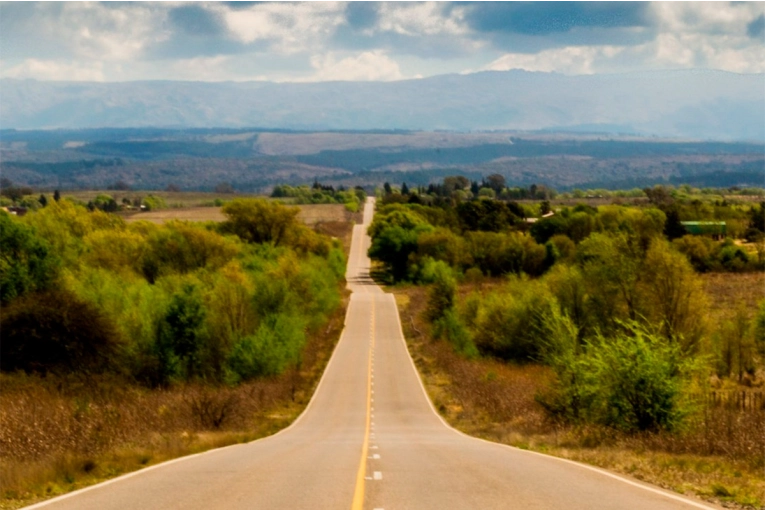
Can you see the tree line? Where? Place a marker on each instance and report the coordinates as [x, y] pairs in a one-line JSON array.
[[82, 291]]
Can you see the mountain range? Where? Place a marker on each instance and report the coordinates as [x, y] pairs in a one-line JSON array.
[[689, 104]]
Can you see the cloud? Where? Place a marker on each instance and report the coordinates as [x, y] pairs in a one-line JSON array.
[[316, 40], [367, 66], [55, 70], [570, 60]]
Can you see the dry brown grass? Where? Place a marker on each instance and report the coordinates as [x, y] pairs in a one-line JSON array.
[[720, 457], [312, 214], [728, 291], [58, 435]]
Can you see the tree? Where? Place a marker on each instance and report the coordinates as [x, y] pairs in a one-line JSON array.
[[442, 292], [496, 182], [52, 331], [256, 220], [26, 261], [43, 200], [404, 189], [387, 188], [672, 298], [56, 195], [180, 336], [224, 187]]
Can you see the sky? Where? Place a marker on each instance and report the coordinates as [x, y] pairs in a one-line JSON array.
[[361, 41]]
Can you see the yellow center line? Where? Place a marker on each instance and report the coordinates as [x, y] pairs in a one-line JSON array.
[[358, 494]]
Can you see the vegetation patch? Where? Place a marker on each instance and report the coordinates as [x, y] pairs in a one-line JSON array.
[[125, 345]]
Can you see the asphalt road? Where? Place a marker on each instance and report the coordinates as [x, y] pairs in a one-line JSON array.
[[371, 439]]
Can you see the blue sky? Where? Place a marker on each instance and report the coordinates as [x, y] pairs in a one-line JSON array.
[[317, 41]]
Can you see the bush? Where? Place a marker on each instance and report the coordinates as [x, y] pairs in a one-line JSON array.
[[450, 327], [274, 346], [26, 261], [509, 324], [56, 332], [632, 381], [442, 291]]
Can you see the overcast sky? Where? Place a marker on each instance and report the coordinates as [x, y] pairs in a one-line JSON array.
[[371, 41]]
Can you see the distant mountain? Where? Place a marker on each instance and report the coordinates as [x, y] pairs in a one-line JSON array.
[[686, 104]]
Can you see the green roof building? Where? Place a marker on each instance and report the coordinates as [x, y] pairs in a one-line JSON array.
[[716, 229]]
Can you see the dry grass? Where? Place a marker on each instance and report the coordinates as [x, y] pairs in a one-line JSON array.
[[720, 457], [58, 435], [311, 215], [728, 291]]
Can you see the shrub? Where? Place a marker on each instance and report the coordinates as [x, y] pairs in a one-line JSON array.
[[632, 381], [450, 327], [26, 261], [509, 323], [274, 346], [442, 291], [56, 332]]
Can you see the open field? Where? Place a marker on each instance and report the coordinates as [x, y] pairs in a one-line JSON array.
[[722, 459], [311, 214], [182, 199], [728, 291]]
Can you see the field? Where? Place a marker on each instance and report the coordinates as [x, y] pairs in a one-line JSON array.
[[312, 214], [495, 400]]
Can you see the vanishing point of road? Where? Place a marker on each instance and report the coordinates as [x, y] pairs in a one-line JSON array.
[[370, 439]]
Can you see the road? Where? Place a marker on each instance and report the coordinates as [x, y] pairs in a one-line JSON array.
[[370, 439]]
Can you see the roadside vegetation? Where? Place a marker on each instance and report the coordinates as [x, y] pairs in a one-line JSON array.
[[128, 344], [602, 334], [321, 194]]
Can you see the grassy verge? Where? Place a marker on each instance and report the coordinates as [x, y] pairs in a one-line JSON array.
[[721, 458]]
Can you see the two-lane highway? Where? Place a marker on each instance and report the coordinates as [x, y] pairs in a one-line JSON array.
[[371, 439]]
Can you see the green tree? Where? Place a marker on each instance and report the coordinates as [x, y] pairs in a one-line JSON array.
[[257, 220], [26, 261], [180, 336]]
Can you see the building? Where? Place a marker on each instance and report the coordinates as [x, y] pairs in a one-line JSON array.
[[714, 229]]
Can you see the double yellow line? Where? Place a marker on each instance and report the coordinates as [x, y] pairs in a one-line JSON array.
[[358, 494]]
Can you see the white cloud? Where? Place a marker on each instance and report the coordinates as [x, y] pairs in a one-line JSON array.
[[421, 18], [568, 60], [56, 70], [367, 66], [287, 27]]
